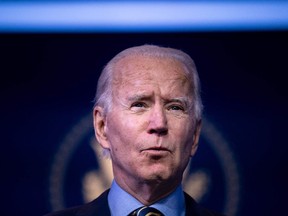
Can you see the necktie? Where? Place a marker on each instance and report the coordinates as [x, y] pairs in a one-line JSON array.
[[146, 211]]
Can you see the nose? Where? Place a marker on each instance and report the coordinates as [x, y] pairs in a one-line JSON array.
[[158, 122]]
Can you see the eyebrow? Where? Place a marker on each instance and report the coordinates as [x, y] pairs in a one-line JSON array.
[[182, 100], [137, 97]]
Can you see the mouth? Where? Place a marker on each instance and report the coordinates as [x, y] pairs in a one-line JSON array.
[[156, 150]]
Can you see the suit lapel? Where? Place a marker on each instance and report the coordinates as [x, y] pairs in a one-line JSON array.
[[98, 207]]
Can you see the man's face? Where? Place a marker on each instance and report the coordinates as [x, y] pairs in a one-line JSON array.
[[150, 130]]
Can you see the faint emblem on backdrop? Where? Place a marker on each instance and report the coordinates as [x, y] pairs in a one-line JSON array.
[[200, 179]]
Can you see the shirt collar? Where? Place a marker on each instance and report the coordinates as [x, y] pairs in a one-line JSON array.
[[122, 203]]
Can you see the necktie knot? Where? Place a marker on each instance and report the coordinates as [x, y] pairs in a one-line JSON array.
[[146, 211]]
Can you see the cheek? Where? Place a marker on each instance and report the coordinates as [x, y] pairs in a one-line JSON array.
[[135, 125], [184, 135], [181, 126], [123, 131]]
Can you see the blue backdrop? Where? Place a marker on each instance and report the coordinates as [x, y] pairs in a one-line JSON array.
[[48, 82]]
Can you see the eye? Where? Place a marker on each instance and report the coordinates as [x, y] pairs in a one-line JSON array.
[[138, 104], [176, 108]]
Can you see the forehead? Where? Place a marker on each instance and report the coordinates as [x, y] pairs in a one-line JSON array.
[[133, 69]]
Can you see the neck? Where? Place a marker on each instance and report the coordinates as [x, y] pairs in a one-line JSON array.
[[147, 192]]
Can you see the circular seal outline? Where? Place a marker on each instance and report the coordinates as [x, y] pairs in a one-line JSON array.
[[83, 128]]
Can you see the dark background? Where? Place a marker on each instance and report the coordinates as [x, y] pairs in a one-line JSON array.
[[48, 82]]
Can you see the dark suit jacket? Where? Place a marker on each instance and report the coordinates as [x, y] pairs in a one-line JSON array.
[[99, 207]]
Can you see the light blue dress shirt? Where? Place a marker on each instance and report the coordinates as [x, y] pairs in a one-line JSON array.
[[122, 203]]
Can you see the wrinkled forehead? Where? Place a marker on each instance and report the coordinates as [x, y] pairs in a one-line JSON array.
[[132, 68]]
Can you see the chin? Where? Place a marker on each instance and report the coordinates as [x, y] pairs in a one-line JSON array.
[[158, 176]]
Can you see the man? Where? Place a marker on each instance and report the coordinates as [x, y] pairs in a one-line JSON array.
[[147, 116]]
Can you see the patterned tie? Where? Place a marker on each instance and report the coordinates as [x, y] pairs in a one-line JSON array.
[[146, 211]]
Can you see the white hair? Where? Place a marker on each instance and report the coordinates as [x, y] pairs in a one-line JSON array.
[[103, 96]]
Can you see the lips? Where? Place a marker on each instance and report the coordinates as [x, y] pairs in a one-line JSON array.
[[157, 149]]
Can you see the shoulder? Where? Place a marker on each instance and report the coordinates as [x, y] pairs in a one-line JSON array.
[[99, 205], [193, 208]]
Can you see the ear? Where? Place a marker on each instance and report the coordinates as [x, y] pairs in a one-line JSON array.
[[196, 137], [100, 127]]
